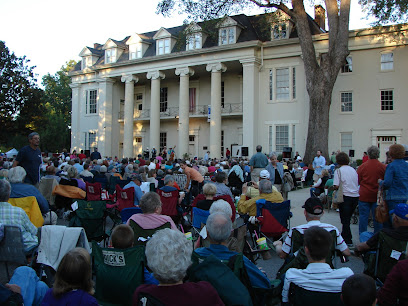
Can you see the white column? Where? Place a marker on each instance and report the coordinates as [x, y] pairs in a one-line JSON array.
[[105, 106], [155, 76], [75, 120], [130, 81], [215, 122], [183, 139], [250, 104]]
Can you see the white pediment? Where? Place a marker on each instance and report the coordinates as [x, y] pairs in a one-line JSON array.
[[193, 28], [110, 44], [281, 16], [85, 52], [162, 33], [227, 22], [134, 39]]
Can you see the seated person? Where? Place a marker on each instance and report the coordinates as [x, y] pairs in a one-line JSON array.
[[11, 215], [313, 213], [319, 186], [265, 192], [359, 290], [209, 191], [135, 182], [50, 173], [171, 185], [221, 179], [168, 254], [151, 218], [22, 190], [219, 227], [73, 281], [86, 172], [318, 276], [394, 291]]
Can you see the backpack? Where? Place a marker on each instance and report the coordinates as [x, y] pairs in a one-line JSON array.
[[224, 275]]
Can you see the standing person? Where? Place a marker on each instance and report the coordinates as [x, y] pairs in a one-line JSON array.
[[81, 155], [395, 181], [348, 178], [319, 162], [95, 154], [365, 157], [194, 177], [228, 154], [207, 156], [275, 169], [30, 159], [154, 153], [258, 163], [368, 175]]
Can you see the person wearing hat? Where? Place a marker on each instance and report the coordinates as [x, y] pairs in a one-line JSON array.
[[313, 213], [136, 182], [399, 230]]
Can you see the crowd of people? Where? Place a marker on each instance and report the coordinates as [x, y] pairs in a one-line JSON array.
[[228, 189]]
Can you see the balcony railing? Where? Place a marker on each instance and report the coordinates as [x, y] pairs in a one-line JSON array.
[[198, 110]]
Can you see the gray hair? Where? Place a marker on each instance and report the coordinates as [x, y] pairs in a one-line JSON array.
[[4, 173], [221, 176], [373, 152], [221, 206], [168, 254], [258, 148], [265, 186], [169, 179], [150, 202], [31, 135], [17, 174], [5, 190], [272, 154], [209, 189], [314, 217], [72, 172], [219, 227]]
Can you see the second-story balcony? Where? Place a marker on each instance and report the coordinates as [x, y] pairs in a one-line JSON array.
[[228, 109]]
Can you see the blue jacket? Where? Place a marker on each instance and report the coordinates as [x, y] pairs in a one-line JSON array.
[[138, 192], [271, 171], [257, 278], [396, 181], [21, 190]]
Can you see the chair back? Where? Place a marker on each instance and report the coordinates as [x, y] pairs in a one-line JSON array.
[[300, 296], [46, 186], [181, 180], [273, 217], [103, 180], [122, 183], [142, 236], [118, 273], [11, 252], [169, 202], [126, 213], [125, 197], [200, 216], [30, 206], [93, 191], [88, 179]]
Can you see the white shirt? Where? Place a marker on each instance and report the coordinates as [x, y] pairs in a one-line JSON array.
[[349, 180], [340, 244], [152, 166], [316, 277]]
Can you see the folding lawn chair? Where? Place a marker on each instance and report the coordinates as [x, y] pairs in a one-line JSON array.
[[200, 217], [93, 191], [169, 204], [274, 218], [143, 235], [302, 297], [126, 213], [124, 198], [30, 206]]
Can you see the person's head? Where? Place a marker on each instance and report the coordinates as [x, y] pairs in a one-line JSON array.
[[373, 152], [319, 152], [150, 203], [400, 215], [183, 164], [222, 207], [169, 180], [342, 159], [74, 272], [209, 190], [95, 149], [397, 151], [359, 290], [258, 148], [317, 243], [137, 179], [5, 190], [72, 172], [50, 170], [265, 186], [86, 166], [313, 209], [103, 169], [4, 173], [219, 227], [221, 177], [264, 175], [168, 255], [325, 172], [122, 237], [152, 173], [17, 174], [34, 139], [274, 158]]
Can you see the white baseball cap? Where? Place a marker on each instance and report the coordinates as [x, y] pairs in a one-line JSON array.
[[264, 174]]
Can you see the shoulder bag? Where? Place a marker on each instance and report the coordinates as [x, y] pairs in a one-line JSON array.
[[338, 194], [381, 211]]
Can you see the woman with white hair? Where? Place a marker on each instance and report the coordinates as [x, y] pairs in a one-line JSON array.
[[168, 255]]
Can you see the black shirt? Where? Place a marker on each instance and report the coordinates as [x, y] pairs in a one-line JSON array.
[[205, 204], [31, 161]]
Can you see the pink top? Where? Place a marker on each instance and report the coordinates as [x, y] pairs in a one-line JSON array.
[[150, 221]]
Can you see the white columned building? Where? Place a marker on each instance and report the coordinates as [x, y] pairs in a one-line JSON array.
[[130, 81], [215, 121], [250, 104], [75, 122], [155, 76], [183, 124]]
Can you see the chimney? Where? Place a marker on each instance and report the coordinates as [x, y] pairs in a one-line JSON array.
[[97, 46], [320, 16]]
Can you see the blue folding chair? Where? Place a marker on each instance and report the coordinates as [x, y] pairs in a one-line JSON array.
[[274, 218], [126, 213], [200, 216]]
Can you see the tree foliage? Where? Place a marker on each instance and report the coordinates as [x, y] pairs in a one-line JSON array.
[[386, 10]]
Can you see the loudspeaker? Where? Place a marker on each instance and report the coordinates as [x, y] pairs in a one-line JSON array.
[[287, 149], [351, 153], [88, 153], [244, 151]]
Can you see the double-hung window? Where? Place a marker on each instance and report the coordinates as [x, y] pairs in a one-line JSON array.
[[227, 36], [90, 140], [387, 61], [91, 103], [346, 102], [163, 46], [110, 55], [348, 65], [280, 31], [282, 84], [194, 41], [387, 100], [135, 51], [163, 99], [346, 142]]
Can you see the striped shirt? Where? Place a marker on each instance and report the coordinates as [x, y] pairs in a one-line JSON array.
[[316, 277], [10, 215], [340, 244]]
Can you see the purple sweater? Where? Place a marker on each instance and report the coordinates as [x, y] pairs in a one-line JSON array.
[[75, 297]]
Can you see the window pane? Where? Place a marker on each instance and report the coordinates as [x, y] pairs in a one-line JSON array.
[[270, 139], [387, 61], [283, 33], [198, 41], [223, 36], [163, 99], [348, 65], [282, 137], [346, 102], [387, 100], [282, 84], [271, 84], [167, 45], [276, 31], [163, 141], [93, 95], [346, 142], [160, 49], [231, 36], [293, 83]]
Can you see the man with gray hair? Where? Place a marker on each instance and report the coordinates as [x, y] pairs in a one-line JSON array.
[[219, 228], [266, 192], [29, 157], [16, 216], [136, 181], [258, 163]]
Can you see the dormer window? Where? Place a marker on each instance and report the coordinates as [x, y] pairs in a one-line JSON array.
[[138, 45], [280, 31], [281, 26], [163, 46], [229, 31], [194, 41], [86, 62], [110, 56], [227, 36], [135, 51]]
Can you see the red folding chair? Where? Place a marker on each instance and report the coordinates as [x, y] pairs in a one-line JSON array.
[[169, 204], [93, 191]]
